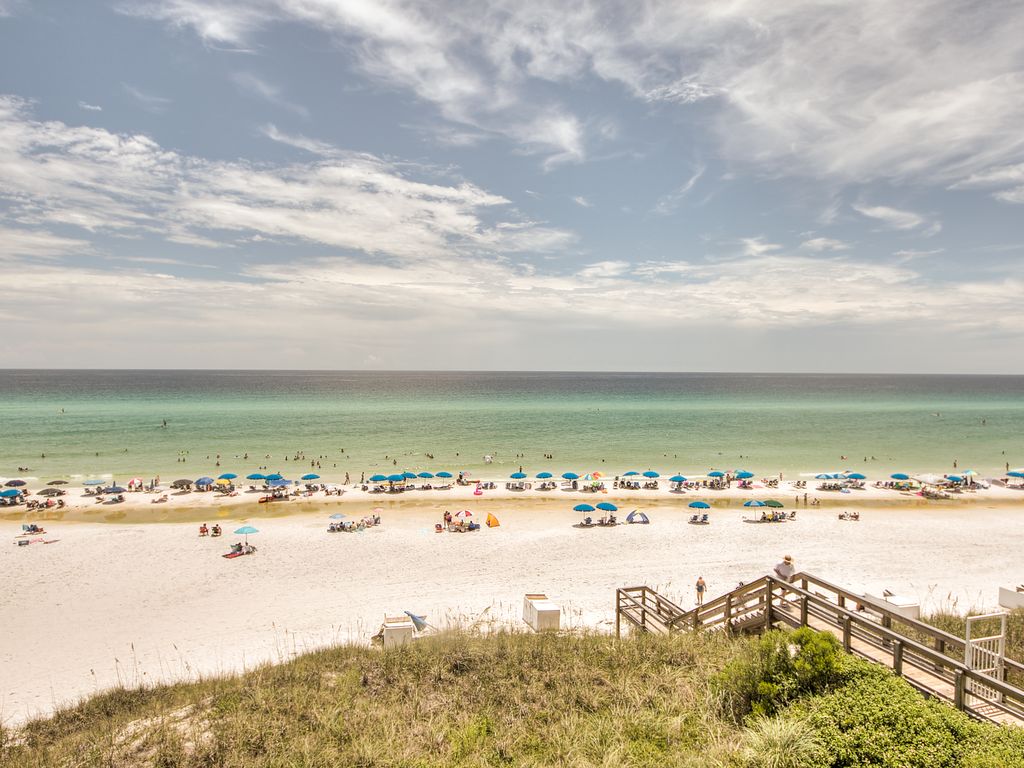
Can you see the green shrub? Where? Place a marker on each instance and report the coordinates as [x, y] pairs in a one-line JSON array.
[[876, 719], [778, 667]]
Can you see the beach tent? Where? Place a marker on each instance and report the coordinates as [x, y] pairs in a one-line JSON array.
[[583, 508], [637, 517], [744, 475], [492, 521], [604, 506], [699, 505]]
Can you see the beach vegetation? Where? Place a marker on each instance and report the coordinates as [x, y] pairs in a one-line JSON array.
[[784, 700]]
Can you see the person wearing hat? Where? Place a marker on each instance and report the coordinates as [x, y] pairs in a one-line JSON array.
[[785, 570]]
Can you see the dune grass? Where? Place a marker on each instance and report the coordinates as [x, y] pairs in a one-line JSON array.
[[505, 699]]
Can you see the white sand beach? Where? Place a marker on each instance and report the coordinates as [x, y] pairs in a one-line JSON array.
[[130, 602]]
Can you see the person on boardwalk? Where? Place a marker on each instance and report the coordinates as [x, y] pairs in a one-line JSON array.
[[701, 589], [785, 570]]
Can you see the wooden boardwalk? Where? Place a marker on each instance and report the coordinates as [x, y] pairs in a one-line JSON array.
[[929, 659]]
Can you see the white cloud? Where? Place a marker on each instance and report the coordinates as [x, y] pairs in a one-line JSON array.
[[16, 242], [99, 181], [853, 91], [819, 244], [148, 101], [668, 204], [89, 107], [581, 201], [756, 246], [895, 218], [256, 86]]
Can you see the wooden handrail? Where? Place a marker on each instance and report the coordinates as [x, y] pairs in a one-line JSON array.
[[773, 597]]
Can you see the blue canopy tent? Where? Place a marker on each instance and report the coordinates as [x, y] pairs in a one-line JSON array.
[[637, 517]]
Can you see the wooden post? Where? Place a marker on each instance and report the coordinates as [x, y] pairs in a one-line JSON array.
[[769, 594], [897, 657], [842, 601], [847, 632], [887, 624], [959, 683], [618, 614], [803, 610], [728, 614]]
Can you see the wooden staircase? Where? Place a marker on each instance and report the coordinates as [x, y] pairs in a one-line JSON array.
[[928, 658]]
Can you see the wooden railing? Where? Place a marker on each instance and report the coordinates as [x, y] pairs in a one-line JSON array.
[[928, 658]]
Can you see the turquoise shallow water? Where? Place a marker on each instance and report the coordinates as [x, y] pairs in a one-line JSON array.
[[110, 422]]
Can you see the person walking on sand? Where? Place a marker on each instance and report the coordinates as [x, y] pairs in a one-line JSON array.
[[785, 570], [701, 589]]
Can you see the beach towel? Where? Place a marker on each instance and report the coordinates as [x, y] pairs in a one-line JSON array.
[[492, 521], [232, 555]]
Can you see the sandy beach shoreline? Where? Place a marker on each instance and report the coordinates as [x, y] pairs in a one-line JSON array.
[[116, 601]]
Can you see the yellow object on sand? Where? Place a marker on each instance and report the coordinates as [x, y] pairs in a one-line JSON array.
[[492, 521]]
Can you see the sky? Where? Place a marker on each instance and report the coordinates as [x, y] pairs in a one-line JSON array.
[[709, 185]]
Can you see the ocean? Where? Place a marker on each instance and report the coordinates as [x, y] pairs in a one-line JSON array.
[[79, 424]]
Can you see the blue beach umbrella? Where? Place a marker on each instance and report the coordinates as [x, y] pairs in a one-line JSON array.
[[245, 530], [93, 482], [604, 506], [396, 478], [114, 489], [543, 475], [570, 476], [900, 476], [409, 475], [227, 476], [9, 493], [255, 476], [631, 473], [310, 476], [823, 476], [856, 476], [280, 483], [204, 481], [1015, 473], [425, 476], [274, 476], [14, 483], [651, 474], [378, 479], [518, 475], [955, 478], [583, 508], [444, 475], [744, 475], [699, 505], [716, 473], [753, 503], [677, 479]]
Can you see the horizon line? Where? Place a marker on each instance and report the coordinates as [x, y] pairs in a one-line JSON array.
[[505, 371]]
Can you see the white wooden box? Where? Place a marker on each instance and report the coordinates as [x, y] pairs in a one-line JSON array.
[[398, 630], [542, 614]]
